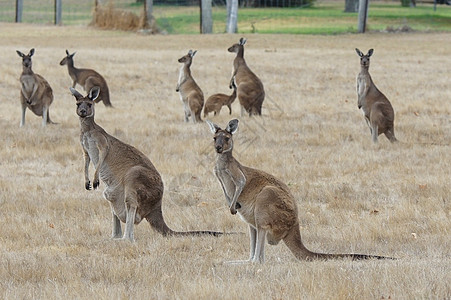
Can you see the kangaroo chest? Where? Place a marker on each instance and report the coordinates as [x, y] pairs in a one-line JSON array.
[[90, 145], [363, 82], [28, 82], [227, 183]]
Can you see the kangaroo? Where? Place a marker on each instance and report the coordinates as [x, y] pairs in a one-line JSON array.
[[262, 201], [36, 93], [190, 93], [376, 108], [215, 102], [87, 78], [133, 186], [250, 89]]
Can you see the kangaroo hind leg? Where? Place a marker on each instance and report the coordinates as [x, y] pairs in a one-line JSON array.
[[253, 242], [389, 133], [131, 206]]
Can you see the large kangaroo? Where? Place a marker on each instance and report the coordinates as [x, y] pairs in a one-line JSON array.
[[133, 186], [262, 201], [250, 89], [376, 108], [87, 78], [190, 93], [215, 102], [35, 93]]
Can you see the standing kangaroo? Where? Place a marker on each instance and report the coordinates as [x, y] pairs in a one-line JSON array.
[[133, 186], [87, 78], [217, 101], [35, 93], [190, 93], [250, 89], [376, 108], [262, 201]]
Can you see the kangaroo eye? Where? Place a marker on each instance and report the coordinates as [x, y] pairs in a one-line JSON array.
[[227, 139], [78, 104], [89, 104]]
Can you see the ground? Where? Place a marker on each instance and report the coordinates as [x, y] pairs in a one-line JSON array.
[[353, 196]]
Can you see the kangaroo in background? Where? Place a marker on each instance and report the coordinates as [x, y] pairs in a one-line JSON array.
[[250, 89], [376, 108], [133, 186], [190, 93], [262, 201], [35, 93], [87, 78], [217, 101]]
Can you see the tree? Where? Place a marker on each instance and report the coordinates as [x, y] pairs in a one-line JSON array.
[[206, 20], [232, 16]]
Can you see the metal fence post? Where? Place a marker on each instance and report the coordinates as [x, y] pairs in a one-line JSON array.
[[58, 12], [363, 14], [19, 10]]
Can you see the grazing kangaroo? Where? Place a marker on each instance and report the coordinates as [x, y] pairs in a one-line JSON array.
[[217, 101], [87, 78], [376, 108], [262, 201], [36, 93], [190, 93], [250, 89], [133, 186]]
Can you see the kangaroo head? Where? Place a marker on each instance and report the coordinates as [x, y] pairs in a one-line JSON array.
[[364, 59], [26, 59], [188, 58], [235, 48], [223, 138], [85, 105], [68, 57]]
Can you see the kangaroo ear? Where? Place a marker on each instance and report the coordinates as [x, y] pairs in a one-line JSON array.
[[194, 53], [242, 41], [31, 52], [20, 53], [94, 93], [370, 52], [359, 52], [213, 127], [232, 127], [67, 52], [75, 93], [72, 55]]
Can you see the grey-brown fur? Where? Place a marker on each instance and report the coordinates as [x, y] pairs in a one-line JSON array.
[[87, 78], [215, 102], [250, 89], [376, 108], [262, 201], [133, 186], [190, 93], [35, 92]]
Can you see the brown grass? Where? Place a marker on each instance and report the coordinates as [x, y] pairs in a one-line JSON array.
[[353, 196]]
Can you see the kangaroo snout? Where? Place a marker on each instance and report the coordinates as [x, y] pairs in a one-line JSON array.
[[218, 149]]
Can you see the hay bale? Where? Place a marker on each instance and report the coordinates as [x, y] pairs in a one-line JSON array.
[[108, 17]]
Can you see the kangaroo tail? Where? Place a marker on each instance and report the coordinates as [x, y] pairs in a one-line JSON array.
[[157, 222], [294, 243]]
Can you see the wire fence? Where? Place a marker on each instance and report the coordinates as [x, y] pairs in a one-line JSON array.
[[80, 12], [74, 12]]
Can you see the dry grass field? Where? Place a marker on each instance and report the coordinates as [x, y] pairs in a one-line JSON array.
[[353, 196]]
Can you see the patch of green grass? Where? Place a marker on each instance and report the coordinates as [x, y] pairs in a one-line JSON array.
[[325, 17]]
